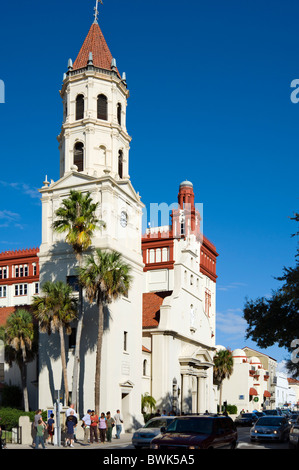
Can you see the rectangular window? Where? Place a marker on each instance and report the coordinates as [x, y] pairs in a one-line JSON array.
[[21, 289], [2, 291], [21, 271], [72, 339], [36, 288], [26, 270], [34, 270], [3, 273], [16, 271], [125, 340]]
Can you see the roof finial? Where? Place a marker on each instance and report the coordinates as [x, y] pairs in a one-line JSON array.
[[96, 11]]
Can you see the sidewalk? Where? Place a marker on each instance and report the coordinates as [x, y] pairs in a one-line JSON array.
[[124, 441]]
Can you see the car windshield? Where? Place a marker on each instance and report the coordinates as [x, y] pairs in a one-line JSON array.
[[157, 423], [267, 421], [191, 425], [271, 412], [246, 415]]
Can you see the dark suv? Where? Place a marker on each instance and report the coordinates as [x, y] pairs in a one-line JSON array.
[[198, 432]]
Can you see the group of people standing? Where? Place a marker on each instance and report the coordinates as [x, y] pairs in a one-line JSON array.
[[96, 428]]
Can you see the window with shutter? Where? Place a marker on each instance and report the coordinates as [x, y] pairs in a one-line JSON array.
[[79, 107], [78, 155], [102, 107]]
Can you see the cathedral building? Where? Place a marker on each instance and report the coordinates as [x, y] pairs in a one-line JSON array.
[[160, 338]]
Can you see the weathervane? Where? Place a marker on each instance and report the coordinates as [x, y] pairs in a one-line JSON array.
[[96, 11]]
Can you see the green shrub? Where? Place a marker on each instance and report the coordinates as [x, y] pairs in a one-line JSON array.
[[232, 409], [9, 417]]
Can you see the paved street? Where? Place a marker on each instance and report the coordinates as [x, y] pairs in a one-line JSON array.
[[125, 443]]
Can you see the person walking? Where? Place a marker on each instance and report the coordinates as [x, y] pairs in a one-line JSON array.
[[102, 427], [110, 426], [37, 417], [118, 422], [94, 427], [50, 429], [39, 439], [71, 423], [86, 426]]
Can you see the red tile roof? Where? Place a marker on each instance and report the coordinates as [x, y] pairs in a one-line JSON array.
[[152, 302], [95, 43]]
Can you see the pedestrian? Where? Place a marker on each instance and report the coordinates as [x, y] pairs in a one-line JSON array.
[[86, 422], [110, 426], [50, 429], [71, 423], [94, 426], [102, 427], [37, 417], [39, 439], [157, 413], [68, 412], [118, 422]]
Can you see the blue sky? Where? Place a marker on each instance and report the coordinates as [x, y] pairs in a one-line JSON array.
[[210, 102]]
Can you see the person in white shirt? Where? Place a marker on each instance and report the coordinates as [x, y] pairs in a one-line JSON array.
[[86, 425], [118, 423]]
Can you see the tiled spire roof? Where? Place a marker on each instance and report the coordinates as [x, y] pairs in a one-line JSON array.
[[95, 43]]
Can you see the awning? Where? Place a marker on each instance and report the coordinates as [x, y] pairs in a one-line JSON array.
[[253, 391], [267, 394]]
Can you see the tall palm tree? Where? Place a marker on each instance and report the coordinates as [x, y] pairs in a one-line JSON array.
[[105, 277], [223, 369], [77, 217], [20, 335], [55, 310]]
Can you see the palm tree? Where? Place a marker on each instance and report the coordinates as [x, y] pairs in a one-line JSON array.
[[20, 335], [223, 369], [77, 217], [55, 310], [147, 401], [105, 277]]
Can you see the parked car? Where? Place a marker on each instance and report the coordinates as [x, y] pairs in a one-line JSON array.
[[294, 435], [143, 436], [275, 428], [246, 419], [198, 432]]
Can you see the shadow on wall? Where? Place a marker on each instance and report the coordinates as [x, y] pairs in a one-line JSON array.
[[61, 265]]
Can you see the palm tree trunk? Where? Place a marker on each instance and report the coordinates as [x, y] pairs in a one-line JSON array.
[[75, 390], [99, 360], [63, 363], [24, 380], [220, 397]]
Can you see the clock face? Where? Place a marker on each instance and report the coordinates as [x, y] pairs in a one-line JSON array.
[[123, 219]]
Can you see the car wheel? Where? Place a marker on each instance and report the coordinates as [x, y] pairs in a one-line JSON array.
[[233, 445]]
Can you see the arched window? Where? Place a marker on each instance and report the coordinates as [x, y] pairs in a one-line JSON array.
[[78, 155], [119, 114], [120, 163], [79, 107], [144, 367], [102, 106]]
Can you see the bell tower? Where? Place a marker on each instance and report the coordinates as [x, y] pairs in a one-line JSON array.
[[94, 157], [93, 136]]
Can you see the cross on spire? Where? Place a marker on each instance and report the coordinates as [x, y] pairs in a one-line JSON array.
[[96, 10]]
